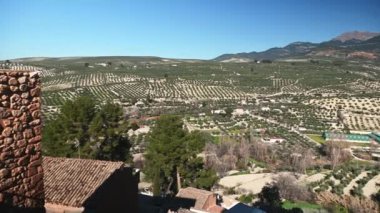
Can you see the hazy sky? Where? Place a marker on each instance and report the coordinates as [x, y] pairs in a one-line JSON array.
[[173, 28]]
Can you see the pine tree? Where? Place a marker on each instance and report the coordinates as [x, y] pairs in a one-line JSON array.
[[171, 153], [82, 130]]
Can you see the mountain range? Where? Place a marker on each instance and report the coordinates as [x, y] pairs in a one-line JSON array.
[[349, 45]]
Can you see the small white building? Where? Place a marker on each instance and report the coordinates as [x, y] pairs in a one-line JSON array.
[[239, 112], [218, 111]]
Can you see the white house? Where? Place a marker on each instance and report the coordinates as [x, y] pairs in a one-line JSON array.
[[218, 111], [239, 112]]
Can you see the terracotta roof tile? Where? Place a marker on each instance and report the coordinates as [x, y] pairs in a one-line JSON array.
[[70, 181], [200, 196], [215, 209]]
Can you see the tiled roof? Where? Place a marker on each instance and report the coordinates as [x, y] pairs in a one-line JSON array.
[[70, 181], [200, 196], [215, 209]]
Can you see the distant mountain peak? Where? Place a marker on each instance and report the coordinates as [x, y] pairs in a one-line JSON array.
[[355, 35]]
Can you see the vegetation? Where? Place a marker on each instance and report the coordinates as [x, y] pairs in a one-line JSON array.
[[301, 205], [247, 199], [317, 138], [270, 201], [171, 157], [261, 102], [83, 130]]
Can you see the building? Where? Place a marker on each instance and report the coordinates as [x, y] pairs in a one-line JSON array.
[[352, 137], [84, 185], [239, 112], [204, 201], [218, 111]]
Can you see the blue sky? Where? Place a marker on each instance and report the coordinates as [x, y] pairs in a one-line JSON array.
[[173, 28]]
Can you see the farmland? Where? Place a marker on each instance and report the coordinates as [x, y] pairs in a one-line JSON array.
[[302, 94], [169, 78], [284, 106]]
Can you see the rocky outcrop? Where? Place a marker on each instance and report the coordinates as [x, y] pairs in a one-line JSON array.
[[21, 173]]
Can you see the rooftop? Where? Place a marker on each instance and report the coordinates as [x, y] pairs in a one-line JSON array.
[[70, 181], [200, 196]]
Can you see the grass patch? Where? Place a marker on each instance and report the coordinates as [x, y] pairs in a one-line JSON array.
[[241, 173], [259, 163], [360, 144], [317, 138], [302, 205], [359, 163]]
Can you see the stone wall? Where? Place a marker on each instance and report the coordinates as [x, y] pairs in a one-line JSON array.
[[21, 174]]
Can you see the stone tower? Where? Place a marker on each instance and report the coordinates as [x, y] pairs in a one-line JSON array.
[[21, 173]]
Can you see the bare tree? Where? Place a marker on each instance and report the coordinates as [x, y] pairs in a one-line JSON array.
[[220, 157], [260, 151], [302, 160], [229, 162], [291, 190], [337, 153], [211, 159], [242, 151]]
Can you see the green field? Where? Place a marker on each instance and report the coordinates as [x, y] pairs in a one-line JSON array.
[[302, 205], [317, 138]]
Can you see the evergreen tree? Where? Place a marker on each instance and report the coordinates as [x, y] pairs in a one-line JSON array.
[[82, 130], [53, 143], [194, 174], [70, 125], [109, 134], [171, 153]]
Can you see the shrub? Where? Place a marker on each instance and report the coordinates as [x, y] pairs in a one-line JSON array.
[[246, 198], [229, 191], [338, 176]]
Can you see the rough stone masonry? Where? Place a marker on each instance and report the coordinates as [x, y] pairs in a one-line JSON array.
[[21, 174]]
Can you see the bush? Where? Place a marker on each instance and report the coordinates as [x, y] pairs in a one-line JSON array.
[[338, 176], [330, 183], [376, 197], [356, 191], [323, 187], [229, 191], [247, 199], [328, 167]]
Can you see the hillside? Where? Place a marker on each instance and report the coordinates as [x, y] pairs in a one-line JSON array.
[[355, 35], [360, 45]]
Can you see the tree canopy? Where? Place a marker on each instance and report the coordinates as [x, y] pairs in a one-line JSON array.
[[171, 158], [84, 130]]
